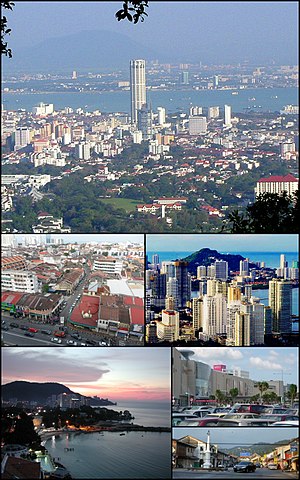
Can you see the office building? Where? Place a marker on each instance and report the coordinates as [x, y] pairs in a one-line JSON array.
[[184, 282], [242, 329], [137, 88], [244, 267]]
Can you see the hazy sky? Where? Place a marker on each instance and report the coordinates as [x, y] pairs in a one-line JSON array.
[[120, 374], [87, 238], [230, 437], [201, 31], [223, 243], [262, 363]]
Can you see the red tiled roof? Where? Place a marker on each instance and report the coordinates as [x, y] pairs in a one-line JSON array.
[[279, 178], [11, 297], [87, 304], [137, 315], [133, 301]]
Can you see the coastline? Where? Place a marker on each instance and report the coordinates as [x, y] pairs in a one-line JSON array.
[[108, 428]]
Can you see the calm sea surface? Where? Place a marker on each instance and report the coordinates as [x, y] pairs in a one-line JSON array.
[[133, 455], [146, 414], [265, 99]]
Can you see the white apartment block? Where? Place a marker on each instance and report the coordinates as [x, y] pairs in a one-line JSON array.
[[277, 184], [108, 265], [19, 281]]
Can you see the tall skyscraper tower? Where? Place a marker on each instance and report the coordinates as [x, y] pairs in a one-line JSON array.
[[227, 116], [280, 301], [137, 88]]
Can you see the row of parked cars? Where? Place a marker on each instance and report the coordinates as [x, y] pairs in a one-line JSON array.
[[240, 414]]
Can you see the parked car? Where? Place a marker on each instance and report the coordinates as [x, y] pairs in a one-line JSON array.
[[59, 334], [244, 467], [209, 421], [249, 408], [55, 340], [4, 327], [23, 327], [46, 332], [29, 334], [240, 416], [14, 325], [276, 410], [32, 330], [286, 423]]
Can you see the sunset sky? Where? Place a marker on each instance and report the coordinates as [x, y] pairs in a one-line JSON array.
[[119, 374]]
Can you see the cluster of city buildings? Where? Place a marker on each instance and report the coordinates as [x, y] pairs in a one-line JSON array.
[[216, 145], [37, 279], [224, 308], [195, 380]]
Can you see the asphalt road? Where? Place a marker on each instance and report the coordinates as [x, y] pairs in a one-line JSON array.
[[263, 473]]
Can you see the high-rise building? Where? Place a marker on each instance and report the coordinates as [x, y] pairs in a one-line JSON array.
[[227, 116], [168, 327], [244, 267], [172, 290], [280, 301], [184, 78], [283, 262], [214, 315], [161, 115], [201, 272], [197, 125], [184, 282], [216, 81], [213, 112], [221, 269], [137, 88], [144, 122], [22, 137], [197, 313], [256, 312], [242, 329]]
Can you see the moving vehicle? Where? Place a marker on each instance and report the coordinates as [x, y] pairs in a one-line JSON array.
[[244, 466], [272, 466]]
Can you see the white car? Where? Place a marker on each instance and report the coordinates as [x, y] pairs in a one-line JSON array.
[[272, 466], [55, 340], [287, 423]]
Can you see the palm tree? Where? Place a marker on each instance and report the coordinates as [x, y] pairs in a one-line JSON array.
[[233, 392], [262, 387], [219, 396], [292, 393]]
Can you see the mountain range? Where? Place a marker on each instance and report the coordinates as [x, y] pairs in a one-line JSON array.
[[39, 392], [93, 50], [260, 448]]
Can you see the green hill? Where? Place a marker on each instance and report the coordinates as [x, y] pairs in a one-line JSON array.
[[207, 257]]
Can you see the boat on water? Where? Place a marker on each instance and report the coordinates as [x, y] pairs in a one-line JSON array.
[[122, 434], [234, 93], [251, 99]]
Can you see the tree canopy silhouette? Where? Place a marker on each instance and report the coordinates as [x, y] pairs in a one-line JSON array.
[[4, 30], [270, 213], [133, 11]]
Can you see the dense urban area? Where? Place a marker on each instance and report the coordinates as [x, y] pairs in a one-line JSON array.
[[157, 169], [70, 294], [208, 298]]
